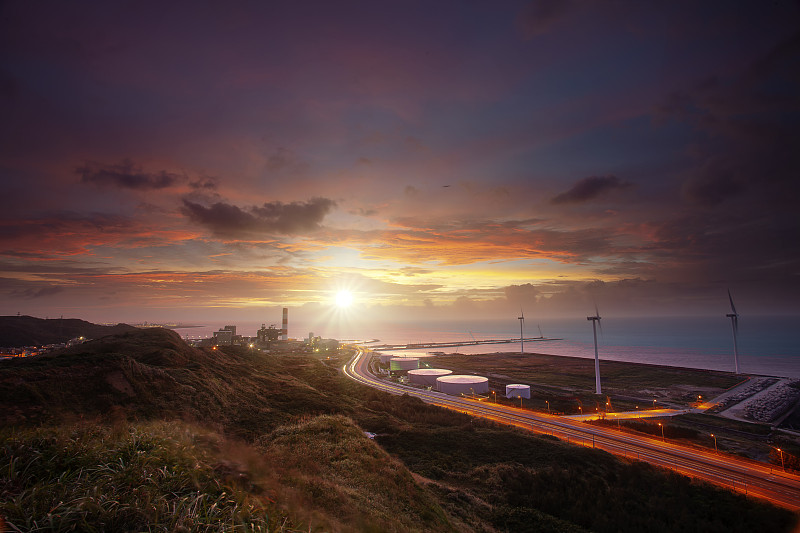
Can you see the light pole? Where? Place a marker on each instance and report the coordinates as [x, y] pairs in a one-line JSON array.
[[654, 403], [580, 408], [715, 444], [495, 395], [662, 432], [782, 466], [548, 406]]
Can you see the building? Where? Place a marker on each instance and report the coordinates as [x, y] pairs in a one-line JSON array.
[[266, 335], [223, 337]]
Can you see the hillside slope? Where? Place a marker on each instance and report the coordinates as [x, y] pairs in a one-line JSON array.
[[252, 420], [18, 331], [148, 373], [278, 441]]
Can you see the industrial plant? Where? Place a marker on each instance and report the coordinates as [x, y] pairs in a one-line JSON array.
[[267, 338]]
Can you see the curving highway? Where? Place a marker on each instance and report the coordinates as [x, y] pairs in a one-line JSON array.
[[744, 476]]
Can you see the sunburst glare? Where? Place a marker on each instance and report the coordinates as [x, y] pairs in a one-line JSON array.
[[344, 299]]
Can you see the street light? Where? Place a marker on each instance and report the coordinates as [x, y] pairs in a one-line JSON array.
[[662, 431], [782, 466], [548, 406], [715, 444], [580, 408], [654, 403]]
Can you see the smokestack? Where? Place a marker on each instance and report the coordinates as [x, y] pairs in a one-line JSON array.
[[285, 326]]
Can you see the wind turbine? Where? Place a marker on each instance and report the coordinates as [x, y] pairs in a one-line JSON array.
[[595, 320], [734, 316], [521, 319]]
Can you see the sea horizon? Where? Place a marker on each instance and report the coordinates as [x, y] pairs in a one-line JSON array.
[[766, 343]]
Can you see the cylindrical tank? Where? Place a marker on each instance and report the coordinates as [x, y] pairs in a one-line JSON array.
[[517, 390], [385, 358], [467, 385], [426, 377], [403, 364]]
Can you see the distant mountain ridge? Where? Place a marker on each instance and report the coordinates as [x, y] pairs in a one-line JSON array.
[[18, 331]]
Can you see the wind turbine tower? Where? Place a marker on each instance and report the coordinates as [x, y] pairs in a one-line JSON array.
[[734, 316], [595, 319], [521, 319]]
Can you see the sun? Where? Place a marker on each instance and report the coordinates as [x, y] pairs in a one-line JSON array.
[[344, 299]]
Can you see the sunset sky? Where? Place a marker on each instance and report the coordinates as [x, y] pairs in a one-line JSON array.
[[219, 160]]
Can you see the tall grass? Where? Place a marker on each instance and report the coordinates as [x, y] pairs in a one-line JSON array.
[[148, 477]]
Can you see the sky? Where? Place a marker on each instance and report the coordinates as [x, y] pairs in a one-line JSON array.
[[202, 161]]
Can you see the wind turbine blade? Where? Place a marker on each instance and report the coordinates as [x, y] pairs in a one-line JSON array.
[[599, 322], [735, 324], [733, 308]]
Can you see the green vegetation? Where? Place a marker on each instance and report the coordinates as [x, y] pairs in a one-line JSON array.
[[335, 469], [517, 473], [577, 374], [132, 477], [17, 331], [163, 437]]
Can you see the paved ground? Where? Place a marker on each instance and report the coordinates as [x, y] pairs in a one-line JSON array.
[[626, 415], [753, 403]]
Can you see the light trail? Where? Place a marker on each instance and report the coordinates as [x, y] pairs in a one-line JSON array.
[[748, 477]]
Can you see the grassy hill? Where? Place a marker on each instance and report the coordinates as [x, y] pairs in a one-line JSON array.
[[141, 431], [18, 331]]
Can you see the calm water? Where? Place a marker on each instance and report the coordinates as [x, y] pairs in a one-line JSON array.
[[767, 345]]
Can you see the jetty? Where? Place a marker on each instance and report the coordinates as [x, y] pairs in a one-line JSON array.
[[452, 344]]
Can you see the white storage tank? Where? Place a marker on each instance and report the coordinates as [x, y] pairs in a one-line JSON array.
[[426, 377], [517, 390], [466, 385], [385, 358], [403, 364]]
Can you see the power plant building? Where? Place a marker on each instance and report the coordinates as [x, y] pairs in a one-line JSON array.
[[458, 385], [223, 337], [426, 377]]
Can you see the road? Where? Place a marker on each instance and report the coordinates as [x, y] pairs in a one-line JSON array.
[[744, 476]]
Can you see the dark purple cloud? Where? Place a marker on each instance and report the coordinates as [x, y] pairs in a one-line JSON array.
[[539, 16], [231, 221], [589, 189], [748, 130], [204, 184], [37, 293], [127, 175]]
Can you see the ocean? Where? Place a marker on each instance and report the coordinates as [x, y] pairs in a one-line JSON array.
[[767, 345]]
